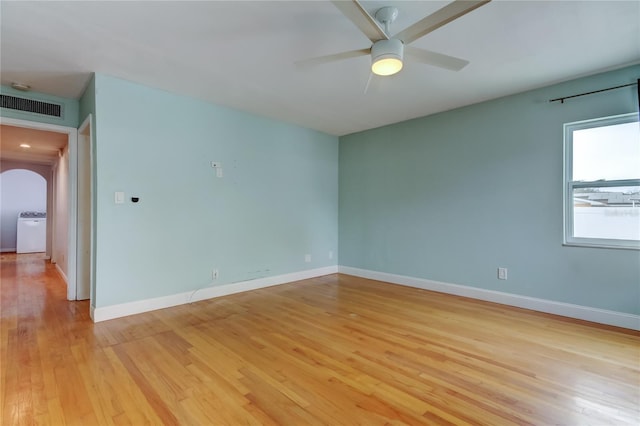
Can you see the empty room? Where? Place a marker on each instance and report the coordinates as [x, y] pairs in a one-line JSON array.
[[320, 212]]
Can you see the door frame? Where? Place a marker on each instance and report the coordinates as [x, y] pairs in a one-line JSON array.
[[85, 137], [72, 146]]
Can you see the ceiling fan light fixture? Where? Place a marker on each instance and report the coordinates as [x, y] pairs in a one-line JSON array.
[[386, 57], [21, 86]]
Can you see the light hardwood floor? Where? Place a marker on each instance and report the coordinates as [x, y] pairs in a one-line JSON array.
[[332, 350]]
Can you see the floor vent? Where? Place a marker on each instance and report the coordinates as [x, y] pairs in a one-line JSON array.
[[29, 105]]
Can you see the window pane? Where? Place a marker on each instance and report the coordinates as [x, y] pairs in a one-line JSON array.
[[608, 152], [610, 212]]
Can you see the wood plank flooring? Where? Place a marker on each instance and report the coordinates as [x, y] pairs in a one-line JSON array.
[[335, 350]]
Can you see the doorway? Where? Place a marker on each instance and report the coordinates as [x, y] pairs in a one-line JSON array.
[[84, 264], [66, 182], [23, 209]]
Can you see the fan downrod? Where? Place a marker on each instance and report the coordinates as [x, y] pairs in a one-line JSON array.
[[386, 15]]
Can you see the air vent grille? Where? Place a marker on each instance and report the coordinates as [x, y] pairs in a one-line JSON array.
[[29, 105]]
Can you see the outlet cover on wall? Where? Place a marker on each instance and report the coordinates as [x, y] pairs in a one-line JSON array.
[[502, 273], [307, 258]]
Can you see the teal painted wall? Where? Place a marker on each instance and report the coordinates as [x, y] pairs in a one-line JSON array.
[[69, 108], [453, 196], [277, 201], [87, 102]]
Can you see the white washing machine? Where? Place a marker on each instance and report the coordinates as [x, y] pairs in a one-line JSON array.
[[32, 232]]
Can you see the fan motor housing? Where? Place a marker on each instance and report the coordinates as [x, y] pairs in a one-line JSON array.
[[386, 56]]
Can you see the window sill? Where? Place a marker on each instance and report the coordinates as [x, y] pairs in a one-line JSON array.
[[601, 246]]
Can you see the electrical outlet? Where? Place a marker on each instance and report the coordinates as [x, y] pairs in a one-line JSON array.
[[502, 273], [330, 254], [214, 274], [307, 258]]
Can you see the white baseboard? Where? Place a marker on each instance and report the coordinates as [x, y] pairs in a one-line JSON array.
[[62, 274], [8, 250], [602, 316], [116, 311]]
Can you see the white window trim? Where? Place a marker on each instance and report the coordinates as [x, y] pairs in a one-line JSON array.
[[569, 185]]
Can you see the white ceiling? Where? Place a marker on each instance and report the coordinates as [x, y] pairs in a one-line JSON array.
[[241, 54]]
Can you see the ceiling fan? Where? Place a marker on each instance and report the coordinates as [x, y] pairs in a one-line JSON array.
[[387, 52]]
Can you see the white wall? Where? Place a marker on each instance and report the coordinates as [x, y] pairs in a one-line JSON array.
[[61, 208], [21, 190]]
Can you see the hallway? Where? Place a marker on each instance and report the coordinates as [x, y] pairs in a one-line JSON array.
[[39, 327], [33, 291]]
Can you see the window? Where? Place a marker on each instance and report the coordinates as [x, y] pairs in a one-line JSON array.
[[602, 182]]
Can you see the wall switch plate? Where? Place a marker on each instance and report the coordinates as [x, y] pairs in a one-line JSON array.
[[330, 254], [119, 197], [214, 274], [502, 273], [219, 173], [307, 258]]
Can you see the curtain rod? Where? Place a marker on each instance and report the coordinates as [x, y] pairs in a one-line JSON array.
[[591, 93]]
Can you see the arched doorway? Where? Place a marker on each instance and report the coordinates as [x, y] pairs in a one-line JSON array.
[[21, 191]]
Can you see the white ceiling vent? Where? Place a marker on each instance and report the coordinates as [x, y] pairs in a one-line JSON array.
[[29, 105]]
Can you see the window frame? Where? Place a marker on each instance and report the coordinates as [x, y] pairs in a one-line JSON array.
[[569, 185]]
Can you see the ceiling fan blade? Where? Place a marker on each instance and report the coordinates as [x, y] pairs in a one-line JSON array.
[[436, 59], [366, 87], [320, 60], [439, 18], [353, 10]]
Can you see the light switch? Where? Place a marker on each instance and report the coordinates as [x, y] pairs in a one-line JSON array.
[[119, 197]]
